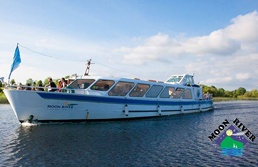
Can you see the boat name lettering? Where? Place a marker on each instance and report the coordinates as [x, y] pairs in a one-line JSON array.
[[60, 106]]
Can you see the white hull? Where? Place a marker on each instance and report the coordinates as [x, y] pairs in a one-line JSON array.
[[56, 106]]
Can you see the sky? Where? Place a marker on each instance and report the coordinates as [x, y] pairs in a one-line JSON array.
[[217, 41]]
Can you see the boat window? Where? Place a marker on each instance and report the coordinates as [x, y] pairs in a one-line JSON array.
[[190, 80], [139, 90], [121, 89], [174, 79], [154, 91], [102, 85], [81, 83], [178, 93], [187, 94], [167, 92]]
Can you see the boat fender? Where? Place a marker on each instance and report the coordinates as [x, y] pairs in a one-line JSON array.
[[30, 118], [87, 115], [126, 110], [182, 109], [159, 110], [200, 108]]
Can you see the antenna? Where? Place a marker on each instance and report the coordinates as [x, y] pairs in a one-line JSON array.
[[88, 68]]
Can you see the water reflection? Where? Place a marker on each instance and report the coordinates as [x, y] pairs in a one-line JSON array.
[[115, 142]]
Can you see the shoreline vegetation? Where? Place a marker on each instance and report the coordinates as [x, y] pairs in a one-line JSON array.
[[220, 99], [3, 99]]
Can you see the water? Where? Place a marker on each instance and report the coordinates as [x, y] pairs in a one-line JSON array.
[[166, 141]]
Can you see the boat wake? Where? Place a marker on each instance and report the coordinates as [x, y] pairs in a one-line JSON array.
[[27, 124]]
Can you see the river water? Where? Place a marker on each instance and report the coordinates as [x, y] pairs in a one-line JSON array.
[[181, 140]]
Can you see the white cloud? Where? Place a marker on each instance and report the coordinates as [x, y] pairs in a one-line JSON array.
[[244, 28], [154, 48], [223, 57], [214, 44], [219, 80], [226, 42], [243, 76]]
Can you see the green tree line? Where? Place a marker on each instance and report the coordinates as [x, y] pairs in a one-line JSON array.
[[238, 93]]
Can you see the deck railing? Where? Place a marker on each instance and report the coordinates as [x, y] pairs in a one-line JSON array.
[[45, 89]]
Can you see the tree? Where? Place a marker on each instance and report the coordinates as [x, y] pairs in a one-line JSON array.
[[220, 92], [29, 81], [247, 94], [46, 81], [12, 82], [254, 93], [205, 88], [213, 90], [228, 93], [39, 82], [240, 91], [1, 87]]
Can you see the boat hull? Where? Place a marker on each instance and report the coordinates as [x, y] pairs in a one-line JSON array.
[[56, 106]]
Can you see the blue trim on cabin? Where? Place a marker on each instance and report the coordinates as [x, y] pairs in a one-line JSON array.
[[123, 100]]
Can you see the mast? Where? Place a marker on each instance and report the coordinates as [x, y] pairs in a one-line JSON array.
[[88, 67]]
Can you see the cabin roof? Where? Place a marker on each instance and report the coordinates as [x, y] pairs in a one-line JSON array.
[[137, 80]]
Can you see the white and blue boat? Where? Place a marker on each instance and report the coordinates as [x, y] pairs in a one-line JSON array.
[[110, 98]]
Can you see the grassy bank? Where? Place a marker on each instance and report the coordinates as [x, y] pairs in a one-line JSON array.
[[218, 99], [3, 99]]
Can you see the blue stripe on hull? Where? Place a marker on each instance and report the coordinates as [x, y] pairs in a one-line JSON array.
[[101, 99]]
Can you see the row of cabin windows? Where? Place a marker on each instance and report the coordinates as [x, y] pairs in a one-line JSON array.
[[123, 88]]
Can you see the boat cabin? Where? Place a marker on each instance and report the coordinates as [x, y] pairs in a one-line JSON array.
[[176, 87]]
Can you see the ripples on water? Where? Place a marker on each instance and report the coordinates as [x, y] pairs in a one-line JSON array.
[[166, 141]]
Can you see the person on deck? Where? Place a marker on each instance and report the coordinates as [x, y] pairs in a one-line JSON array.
[[51, 86], [40, 87], [60, 85], [64, 83], [19, 87], [28, 86]]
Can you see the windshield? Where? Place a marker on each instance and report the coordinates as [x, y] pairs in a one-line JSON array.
[[175, 79]]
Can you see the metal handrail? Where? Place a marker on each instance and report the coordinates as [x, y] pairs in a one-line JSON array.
[[45, 89]]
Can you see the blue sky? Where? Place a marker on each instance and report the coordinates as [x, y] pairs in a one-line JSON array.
[[215, 40]]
